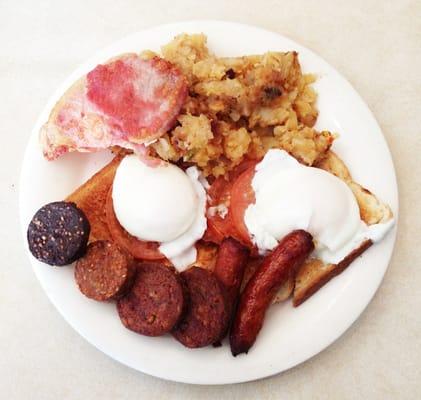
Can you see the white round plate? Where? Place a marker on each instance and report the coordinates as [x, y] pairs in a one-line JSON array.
[[289, 335]]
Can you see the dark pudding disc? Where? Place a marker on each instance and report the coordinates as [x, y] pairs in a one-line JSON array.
[[58, 233]]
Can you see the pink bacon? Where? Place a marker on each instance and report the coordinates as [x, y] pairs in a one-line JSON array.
[[127, 102]]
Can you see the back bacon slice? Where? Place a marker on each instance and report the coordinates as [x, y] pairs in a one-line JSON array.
[[127, 102]]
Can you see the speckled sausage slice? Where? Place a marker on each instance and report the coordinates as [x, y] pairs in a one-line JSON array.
[[206, 317], [58, 233], [105, 272], [155, 302]]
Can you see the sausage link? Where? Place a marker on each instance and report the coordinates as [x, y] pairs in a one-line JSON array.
[[229, 270], [263, 286], [230, 265]]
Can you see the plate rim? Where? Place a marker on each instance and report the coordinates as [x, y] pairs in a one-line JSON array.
[[98, 54]]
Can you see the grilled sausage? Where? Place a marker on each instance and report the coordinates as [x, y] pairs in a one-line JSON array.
[[105, 272], [263, 286], [229, 270], [155, 302], [206, 316]]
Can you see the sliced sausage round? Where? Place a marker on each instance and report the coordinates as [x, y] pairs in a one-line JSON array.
[[155, 302], [58, 233], [105, 272], [206, 317]]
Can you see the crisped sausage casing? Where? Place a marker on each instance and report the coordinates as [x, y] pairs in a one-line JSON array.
[[263, 286]]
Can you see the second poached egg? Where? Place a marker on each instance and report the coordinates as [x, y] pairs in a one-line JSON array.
[[292, 196]]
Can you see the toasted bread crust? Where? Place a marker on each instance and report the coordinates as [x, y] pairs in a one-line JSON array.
[[91, 198], [314, 274], [372, 210]]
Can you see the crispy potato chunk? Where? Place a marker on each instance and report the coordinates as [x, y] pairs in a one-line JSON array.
[[305, 144], [236, 144], [194, 132], [185, 51], [240, 107]]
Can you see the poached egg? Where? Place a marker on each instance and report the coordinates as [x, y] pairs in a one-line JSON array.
[[292, 196], [162, 204]]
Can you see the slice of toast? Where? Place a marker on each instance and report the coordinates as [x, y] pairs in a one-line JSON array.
[[314, 273], [91, 198]]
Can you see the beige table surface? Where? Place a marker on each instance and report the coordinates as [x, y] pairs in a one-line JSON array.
[[375, 44]]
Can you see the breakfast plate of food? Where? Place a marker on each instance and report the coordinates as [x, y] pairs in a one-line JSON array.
[[208, 202]]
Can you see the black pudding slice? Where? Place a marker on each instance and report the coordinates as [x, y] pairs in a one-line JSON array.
[[58, 233]]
